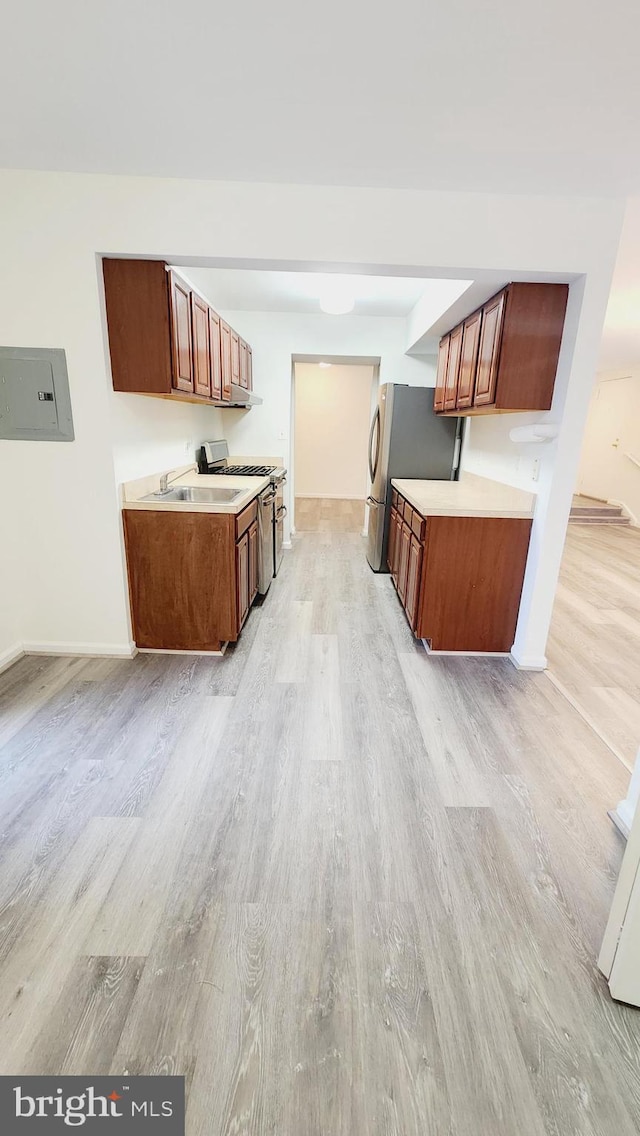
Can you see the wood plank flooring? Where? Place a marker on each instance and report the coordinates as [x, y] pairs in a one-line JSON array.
[[344, 888], [328, 514], [594, 644]]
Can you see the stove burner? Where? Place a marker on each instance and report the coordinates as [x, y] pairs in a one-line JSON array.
[[247, 470]]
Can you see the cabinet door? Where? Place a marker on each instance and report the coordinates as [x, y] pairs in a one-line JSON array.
[[242, 577], [453, 368], [235, 357], [468, 360], [441, 377], [253, 562], [489, 351], [403, 562], [391, 546], [181, 342], [249, 368], [214, 355], [413, 581], [243, 363], [225, 358], [201, 352]]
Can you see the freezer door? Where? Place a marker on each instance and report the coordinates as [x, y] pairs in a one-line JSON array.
[[375, 535], [379, 443]]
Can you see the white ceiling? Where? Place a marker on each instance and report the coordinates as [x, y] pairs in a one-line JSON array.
[[237, 289], [523, 97]]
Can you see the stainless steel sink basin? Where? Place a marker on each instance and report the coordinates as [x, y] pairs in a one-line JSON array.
[[196, 495]]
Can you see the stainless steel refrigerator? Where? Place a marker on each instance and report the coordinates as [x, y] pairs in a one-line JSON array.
[[406, 440]]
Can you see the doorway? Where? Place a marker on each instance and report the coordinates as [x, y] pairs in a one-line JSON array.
[[332, 406]]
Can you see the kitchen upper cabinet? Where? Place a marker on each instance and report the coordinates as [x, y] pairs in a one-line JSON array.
[[201, 346], [225, 356], [507, 353], [214, 354], [468, 360], [165, 340], [453, 367], [181, 334], [441, 377], [235, 357], [489, 352]]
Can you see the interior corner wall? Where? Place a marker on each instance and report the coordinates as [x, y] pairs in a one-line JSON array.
[[53, 228], [489, 452], [11, 593], [332, 418]]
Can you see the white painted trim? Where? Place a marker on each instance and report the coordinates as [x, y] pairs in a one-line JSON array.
[[110, 650], [287, 543], [528, 662], [169, 651], [624, 812], [11, 656], [466, 654], [633, 520]]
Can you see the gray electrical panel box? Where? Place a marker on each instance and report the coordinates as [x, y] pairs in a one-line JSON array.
[[35, 404]]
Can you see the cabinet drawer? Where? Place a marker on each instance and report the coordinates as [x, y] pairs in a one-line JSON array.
[[407, 512], [245, 518], [394, 498], [418, 525]]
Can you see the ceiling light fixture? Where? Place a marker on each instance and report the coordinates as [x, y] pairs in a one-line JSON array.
[[324, 364], [336, 300]]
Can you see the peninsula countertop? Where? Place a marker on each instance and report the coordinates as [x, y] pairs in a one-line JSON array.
[[471, 496], [134, 491]]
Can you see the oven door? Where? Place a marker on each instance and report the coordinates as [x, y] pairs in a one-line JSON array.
[[279, 514], [266, 573]]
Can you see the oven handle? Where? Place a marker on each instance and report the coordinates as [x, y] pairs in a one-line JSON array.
[[281, 512], [268, 500]]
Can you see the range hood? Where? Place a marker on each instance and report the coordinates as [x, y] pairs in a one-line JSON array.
[[242, 398]]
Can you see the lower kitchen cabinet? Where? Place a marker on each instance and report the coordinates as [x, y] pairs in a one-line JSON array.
[[192, 576], [459, 579]]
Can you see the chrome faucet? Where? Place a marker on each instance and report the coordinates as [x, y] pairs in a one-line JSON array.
[[164, 482]]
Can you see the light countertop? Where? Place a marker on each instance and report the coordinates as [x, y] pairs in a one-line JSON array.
[[471, 496], [132, 491]]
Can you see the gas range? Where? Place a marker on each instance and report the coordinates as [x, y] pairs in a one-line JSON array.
[[213, 457]]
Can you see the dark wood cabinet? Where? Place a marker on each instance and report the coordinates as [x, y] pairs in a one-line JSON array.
[[504, 356], [225, 358], [489, 352], [235, 357], [242, 574], [468, 360], [459, 579], [165, 339], [453, 367], [181, 335], [201, 346], [214, 354], [253, 562], [192, 576], [441, 377]]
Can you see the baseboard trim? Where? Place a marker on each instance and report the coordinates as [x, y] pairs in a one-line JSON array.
[[466, 654], [98, 650], [287, 543], [619, 821], [11, 656], [170, 651], [528, 662]]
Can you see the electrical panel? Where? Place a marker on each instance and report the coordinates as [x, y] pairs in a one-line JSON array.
[[35, 404]]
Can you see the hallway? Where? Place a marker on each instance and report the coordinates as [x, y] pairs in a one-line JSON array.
[[345, 889]]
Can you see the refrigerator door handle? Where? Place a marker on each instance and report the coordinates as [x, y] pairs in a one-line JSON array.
[[375, 431], [372, 502]]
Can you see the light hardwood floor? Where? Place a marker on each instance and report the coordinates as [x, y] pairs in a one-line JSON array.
[[594, 645], [345, 889], [328, 514]]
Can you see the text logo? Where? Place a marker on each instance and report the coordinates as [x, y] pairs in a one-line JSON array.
[[133, 1106]]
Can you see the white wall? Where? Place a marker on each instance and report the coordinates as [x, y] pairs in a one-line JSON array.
[[332, 418], [612, 432], [11, 592], [489, 452], [53, 227]]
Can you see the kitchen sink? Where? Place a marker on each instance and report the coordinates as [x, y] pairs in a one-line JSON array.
[[196, 495]]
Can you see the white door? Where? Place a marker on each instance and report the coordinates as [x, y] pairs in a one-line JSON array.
[[620, 954]]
